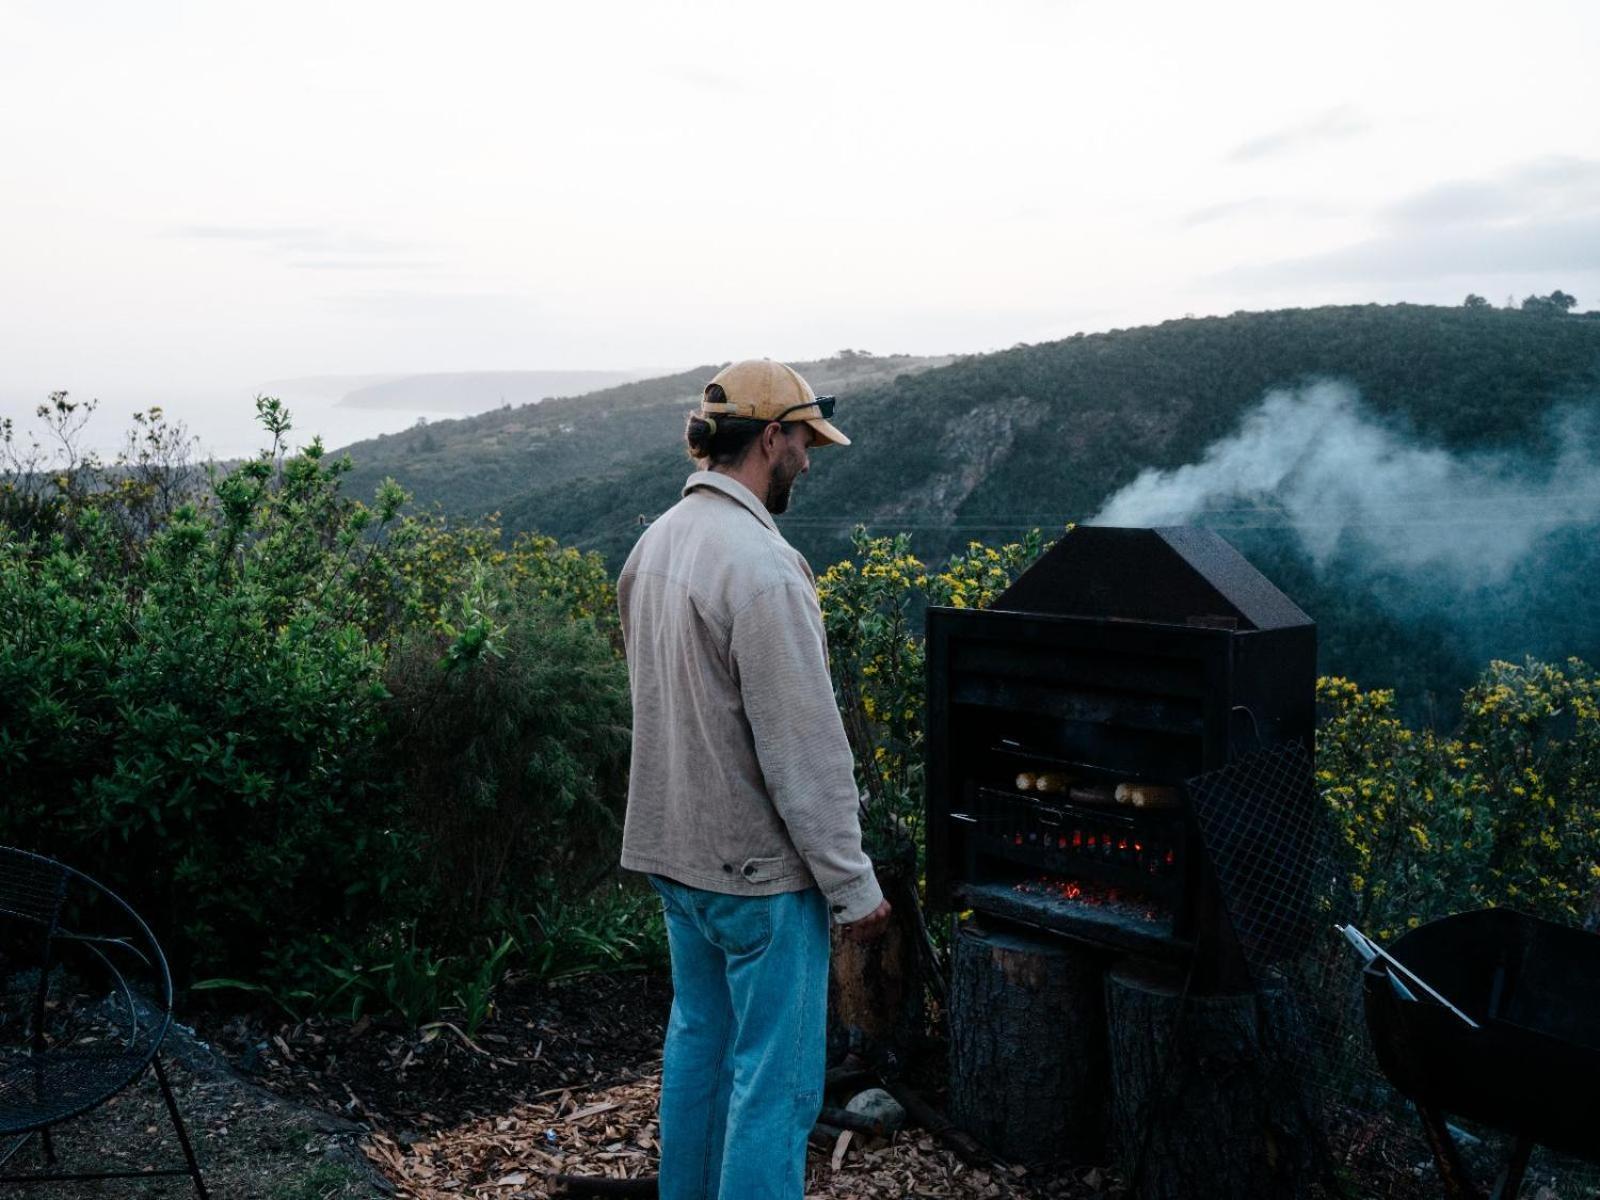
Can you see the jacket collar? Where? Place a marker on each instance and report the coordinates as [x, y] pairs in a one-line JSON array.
[[716, 481]]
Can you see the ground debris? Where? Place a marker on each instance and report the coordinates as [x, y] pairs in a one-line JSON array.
[[574, 1091], [611, 1132]]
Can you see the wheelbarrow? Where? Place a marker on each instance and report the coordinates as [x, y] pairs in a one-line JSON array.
[[1492, 1016]]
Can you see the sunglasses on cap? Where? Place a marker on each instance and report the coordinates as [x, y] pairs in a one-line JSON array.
[[823, 404]]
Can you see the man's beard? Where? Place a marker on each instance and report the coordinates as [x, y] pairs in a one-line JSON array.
[[779, 484]]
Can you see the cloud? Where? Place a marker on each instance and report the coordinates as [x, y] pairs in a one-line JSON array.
[[1539, 216], [707, 80], [1569, 245], [316, 248], [363, 264], [295, 238], [1257, 207], [1551, 187], [1335, 124]]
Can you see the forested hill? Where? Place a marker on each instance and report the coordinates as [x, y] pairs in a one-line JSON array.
[[1039, 435], [1045, 434], [469, 466]]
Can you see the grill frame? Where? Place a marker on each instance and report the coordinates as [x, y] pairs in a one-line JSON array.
[[1109, 696]]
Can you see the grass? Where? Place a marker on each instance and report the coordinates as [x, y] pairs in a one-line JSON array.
[[325, 1181]]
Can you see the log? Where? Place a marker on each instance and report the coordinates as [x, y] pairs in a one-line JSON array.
[[875, 993], [921, 1113], [841, 1119], [1201, 1104], [1028, 1074]]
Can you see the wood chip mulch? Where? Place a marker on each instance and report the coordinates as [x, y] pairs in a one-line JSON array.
[[562, 1079], [611, 1131]]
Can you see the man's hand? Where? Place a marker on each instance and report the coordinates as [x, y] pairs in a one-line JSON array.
[[869, 927]]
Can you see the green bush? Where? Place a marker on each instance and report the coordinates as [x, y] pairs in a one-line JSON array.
[[872, 609], [1502, 812], [510, 725], [192, 716], [286, 724], [611, 929]]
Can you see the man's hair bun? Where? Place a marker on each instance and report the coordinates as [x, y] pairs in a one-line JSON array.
[[724, 440], [700, 433]]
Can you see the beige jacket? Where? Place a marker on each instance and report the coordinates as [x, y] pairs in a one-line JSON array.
[[742, 779]]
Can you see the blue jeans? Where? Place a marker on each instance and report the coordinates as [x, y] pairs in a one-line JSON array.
[[741, 1079]]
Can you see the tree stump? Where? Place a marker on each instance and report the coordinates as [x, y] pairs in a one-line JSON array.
[[1028, 1071], [1205, 1108]]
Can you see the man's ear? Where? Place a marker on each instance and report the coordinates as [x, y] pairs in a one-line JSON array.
[[770, 437]]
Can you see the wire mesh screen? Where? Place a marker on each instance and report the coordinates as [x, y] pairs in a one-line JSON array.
[[1268, 839]]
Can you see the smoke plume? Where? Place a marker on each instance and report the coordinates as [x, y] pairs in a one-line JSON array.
[[1315, 461]]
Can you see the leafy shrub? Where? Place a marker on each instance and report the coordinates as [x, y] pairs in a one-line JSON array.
[[191, 715], [433, 560], [196, 707], [510, 725], [872, 606], [616, 928], [1501, 812], [612, 929]]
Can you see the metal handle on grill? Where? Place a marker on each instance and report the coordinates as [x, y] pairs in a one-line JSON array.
[[1049, 816]]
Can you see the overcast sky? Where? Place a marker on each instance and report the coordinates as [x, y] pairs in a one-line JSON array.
[[202, 197]]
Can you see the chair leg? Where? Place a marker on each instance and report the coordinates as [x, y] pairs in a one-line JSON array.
[[1510, 1181], [8, 1152], [1458, 1184], [49, 1145], [183, 1134]]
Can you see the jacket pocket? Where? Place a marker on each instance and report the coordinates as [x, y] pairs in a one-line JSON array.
[[766, 870]]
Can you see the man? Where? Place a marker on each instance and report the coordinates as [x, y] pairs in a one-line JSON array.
[[742, 805]]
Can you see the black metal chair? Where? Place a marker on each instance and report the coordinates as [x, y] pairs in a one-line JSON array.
[[85, 1003]]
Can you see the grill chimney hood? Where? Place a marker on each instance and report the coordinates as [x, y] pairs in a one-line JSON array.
[[1182, 575]]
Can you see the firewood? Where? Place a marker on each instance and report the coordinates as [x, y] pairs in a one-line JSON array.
[[854, 1122], [823, 1136], [936, 1123]]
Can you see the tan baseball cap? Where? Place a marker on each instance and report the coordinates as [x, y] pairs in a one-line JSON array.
[[766, 390]]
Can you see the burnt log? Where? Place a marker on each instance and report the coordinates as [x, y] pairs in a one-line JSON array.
[[1203, 1102], [1028, 1072]]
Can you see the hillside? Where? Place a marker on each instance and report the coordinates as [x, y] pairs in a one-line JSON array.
[[1041, 435], [474, 391], [473, 465]]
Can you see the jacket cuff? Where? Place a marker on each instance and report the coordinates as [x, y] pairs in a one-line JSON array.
[[855, 898]]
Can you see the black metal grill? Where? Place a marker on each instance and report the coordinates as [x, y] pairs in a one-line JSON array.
[[1124, 663]]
